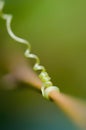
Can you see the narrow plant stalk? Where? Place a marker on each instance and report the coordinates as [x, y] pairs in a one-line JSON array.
[[76, 109]]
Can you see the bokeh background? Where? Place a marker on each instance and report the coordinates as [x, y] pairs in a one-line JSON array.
[[56, 30]]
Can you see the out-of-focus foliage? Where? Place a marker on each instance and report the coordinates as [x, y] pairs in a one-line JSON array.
[[57, 32]]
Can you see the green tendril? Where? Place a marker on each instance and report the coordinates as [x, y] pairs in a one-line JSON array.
[[44, 77]]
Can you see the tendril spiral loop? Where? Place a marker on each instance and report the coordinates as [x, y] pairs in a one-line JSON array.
[[43, 74]]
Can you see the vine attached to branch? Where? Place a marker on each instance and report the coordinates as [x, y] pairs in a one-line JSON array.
[[47, 86]]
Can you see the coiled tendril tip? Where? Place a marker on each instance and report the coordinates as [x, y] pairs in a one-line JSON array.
[[46, 80]]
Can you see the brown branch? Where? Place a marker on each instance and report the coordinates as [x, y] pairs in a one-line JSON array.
[[74, 108]]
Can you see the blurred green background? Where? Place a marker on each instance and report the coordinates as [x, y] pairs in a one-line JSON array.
[[57, 33]]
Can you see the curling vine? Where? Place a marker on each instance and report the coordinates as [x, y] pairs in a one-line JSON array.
[[44, 77]]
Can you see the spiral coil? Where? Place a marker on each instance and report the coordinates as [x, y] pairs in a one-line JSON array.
[[46, 80]]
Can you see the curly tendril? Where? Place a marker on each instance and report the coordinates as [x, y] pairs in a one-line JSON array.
[[44, 77]]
